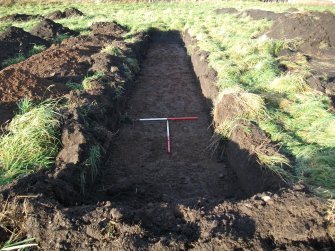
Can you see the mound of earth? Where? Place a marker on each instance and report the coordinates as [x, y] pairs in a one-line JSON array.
[[292, 10], [16, 84], [226, 11], [68, 12], [256, 14], [15, 40], [19, 17], [59, 63], [108, 29], [315, 34], [315, 29], [48, 30]]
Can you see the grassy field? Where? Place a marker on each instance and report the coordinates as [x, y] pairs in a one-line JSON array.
[[296, 117]]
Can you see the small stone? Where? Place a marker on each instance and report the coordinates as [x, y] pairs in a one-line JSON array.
[[114, 69], [266, 198], [116, 214]]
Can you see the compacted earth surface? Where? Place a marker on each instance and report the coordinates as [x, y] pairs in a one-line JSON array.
[[140, 197]]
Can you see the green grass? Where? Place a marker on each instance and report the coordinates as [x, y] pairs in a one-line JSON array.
[[19, 245], [36, 49], [30, 141], [74, 86], [88, 82], [112, 49], [13, 60], [94, 156]]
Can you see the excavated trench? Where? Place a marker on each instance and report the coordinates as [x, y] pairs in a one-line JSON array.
[[146, 199], [139, 169]]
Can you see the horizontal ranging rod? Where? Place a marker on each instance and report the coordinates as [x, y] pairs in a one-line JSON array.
[[164, 119], [168, 141]]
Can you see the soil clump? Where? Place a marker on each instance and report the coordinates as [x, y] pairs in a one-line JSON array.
[[68, 12], [17, 41], [19, 17], [48, 29], [314, 33]]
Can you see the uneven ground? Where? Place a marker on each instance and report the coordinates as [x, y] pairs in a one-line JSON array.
[[147, 199], [139, 163], [144, 198]]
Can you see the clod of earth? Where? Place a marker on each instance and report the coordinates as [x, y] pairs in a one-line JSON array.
[[48, 29], [68, 12], [19, 17], [17, 41]]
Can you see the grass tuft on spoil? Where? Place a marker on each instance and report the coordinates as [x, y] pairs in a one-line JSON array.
[[93, 160], [112, 49], [30, 141], [88, 82]]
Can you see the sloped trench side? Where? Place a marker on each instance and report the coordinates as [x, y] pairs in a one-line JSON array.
[[140, 169], [253, 177]]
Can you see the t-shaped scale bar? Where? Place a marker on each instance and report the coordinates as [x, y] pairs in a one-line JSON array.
[[168, 127]]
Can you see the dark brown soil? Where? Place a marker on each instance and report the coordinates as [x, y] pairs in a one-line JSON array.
[[315, 29], [19, 17], [15, 40], [68, 12], [315, 32], [48, 29], [108, 29], [16, 84], [226, 11], [145, 199], [60, 63]]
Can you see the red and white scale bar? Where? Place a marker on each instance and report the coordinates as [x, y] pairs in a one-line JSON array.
[[168, 141]]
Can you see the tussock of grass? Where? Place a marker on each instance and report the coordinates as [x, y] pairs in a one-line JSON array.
[[74, 86], [30, 142], [88, 81], [289, 83], [93, 160], [112, 49]]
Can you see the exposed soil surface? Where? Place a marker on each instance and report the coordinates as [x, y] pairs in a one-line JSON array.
[[19, 17], [68, 12], [48, 29], [144, 198], [166, 88], [15, 41], [315, 33], [108, 29], [16, 84]]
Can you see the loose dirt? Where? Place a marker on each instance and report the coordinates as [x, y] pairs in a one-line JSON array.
[[68, 12], [19, 17], [314, 32], [48, 29], [145, 199], [15, 40], [16, 84]]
